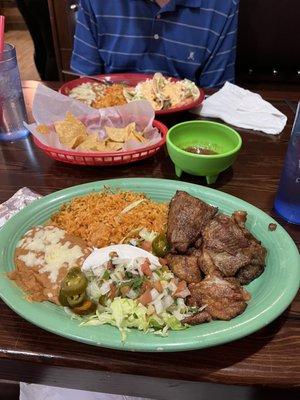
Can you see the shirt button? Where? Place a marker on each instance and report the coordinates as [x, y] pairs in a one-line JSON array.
[[156, 36]]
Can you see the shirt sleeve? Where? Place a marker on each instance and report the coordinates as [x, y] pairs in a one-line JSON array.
[[220, 66], [85, 57]]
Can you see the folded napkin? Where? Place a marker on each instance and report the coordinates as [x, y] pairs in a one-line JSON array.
[[16, 203], [31, 391], [242, 108]]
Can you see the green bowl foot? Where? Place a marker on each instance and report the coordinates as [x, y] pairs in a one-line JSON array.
[[178, 171], [211, 179]]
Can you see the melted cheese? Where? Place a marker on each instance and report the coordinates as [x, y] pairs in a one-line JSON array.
[[41, 239], [46, 250], [57, 256], [31, 259]]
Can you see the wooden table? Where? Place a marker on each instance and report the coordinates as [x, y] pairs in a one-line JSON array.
[[264, 360]]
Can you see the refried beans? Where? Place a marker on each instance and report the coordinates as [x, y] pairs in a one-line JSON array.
[[43, 257]]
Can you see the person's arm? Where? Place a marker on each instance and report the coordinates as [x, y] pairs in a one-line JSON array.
[[220, 66], [85, 57]]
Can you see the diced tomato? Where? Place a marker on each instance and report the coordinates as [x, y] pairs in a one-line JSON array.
[[125, 289], [158, 286], [163, 261], [145, 268], [145, 245], [145, 286], [113, 291], [145, 298], [180, 288], [175, 281], [110, 265]]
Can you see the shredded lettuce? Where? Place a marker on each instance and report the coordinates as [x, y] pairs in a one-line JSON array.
[[156, 322], [128, 313], [124, 314], [173, 323]]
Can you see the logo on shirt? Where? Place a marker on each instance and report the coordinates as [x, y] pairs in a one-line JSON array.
[[191, 56]]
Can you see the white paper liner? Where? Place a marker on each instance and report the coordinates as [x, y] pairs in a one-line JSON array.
[[50, 106]]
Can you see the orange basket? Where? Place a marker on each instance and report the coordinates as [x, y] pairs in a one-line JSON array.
[[98, 158]]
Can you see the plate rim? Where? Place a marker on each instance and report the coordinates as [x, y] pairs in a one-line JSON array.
[[236, 332]]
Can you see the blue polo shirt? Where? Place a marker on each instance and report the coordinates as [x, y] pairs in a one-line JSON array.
[[194, 39]]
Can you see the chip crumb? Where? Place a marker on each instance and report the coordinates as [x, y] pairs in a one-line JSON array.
[[272, 227], [43, 129]]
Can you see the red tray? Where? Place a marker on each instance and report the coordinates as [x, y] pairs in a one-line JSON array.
[[98, 158], [132, 80]]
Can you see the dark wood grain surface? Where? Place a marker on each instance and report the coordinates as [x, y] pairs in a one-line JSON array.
[[269, 357]]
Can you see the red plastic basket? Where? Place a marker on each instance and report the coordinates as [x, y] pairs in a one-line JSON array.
[[98, 158]]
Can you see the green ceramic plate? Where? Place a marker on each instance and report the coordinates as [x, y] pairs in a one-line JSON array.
[[271, 293]]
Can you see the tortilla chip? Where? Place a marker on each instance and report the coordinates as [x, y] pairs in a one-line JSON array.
[[72, 143], [43, 129], [113, 146], [116, 134], [132, 133], [131, 128], [139, 136], [92, 143], [71, 131]]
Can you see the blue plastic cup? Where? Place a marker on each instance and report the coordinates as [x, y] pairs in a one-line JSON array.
[[287, 201], [12, 106]]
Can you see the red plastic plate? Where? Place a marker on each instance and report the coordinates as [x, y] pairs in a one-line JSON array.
[[132, 80]]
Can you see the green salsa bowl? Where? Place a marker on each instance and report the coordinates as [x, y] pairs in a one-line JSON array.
[[222, 139]]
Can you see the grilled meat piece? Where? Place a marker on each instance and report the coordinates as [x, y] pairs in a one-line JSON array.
[[224, 297], [207, 265], [196, 319], [198, 243], [246, 274], [223, 234], [187, 218], [257, 265], [185, 267], [240, 218], [230, 247], [226, 263], [192, 251], [258, 253]]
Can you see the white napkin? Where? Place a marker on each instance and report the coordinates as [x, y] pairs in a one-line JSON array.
[[30, 391], [242, 108], [16, 203]]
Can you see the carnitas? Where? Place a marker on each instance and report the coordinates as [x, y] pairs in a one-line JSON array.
[[221, 298], [215, 254], [186, 220], [231, 250]]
